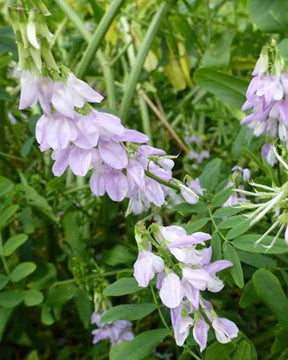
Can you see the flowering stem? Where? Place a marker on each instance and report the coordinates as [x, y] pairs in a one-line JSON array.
[[107, 70], [141, 56], [98, 36], [159, 308], [215, 225], [160, 181], [189, 351]]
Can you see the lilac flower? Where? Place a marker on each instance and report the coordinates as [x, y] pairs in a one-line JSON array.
[[200, 333], [181, 322], [245, 173], [171, 291], [267, 96], [268, 154], [115, 331], [182, 293], [146, 266], [199, 157], [225, 330], [191, 191]]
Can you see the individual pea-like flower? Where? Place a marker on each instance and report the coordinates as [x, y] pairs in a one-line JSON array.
[[146, 266], [116, 331], [225, 330], [268, 154], [191, 191]]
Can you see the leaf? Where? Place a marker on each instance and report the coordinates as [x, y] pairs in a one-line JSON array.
[[242, 141], [33, 297], [120, 254], [270, 291], [243, 351], [226, 211], [22, 270], [196, 225], [239, 229], [230, 89], [231, 222], [218, 54], [249, 295], [59, 295], [5, 314], [257, 260], [46, 316], [7, 215], [128, 312], [13, 243], [3, 281], [27, 146], [10, 298], [84, 307], [219, 198], [5, 185], [73, 235], [269, 15], [140, 347], [247, 243], [236, 270], [121, 287], [211, 174], [216, 246], [186, 208], [219, 351]]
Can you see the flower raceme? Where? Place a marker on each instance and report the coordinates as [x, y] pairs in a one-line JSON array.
[[181, 282], [267, 96], [83, 138]]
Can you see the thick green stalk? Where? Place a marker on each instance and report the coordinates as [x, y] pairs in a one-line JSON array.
[[132, 80], [98, 36], [107, 70]]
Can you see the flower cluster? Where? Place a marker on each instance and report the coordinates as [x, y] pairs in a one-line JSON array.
[[115, 331], [194, 155], [238, 174], [267, 97], [180, 283], [82, 138]]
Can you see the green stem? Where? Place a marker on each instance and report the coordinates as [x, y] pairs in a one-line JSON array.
[[107, 70], [159, 308], [189, 351], [98, 36], [145, 119], [159, 180], [141, 56], [215, 225]]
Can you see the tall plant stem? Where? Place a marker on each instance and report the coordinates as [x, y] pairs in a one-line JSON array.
[[107, 70], [142, 105], [132, 80], [98, 36]]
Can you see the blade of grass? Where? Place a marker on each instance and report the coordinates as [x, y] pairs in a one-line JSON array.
[[107, 70], [130, 86]]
